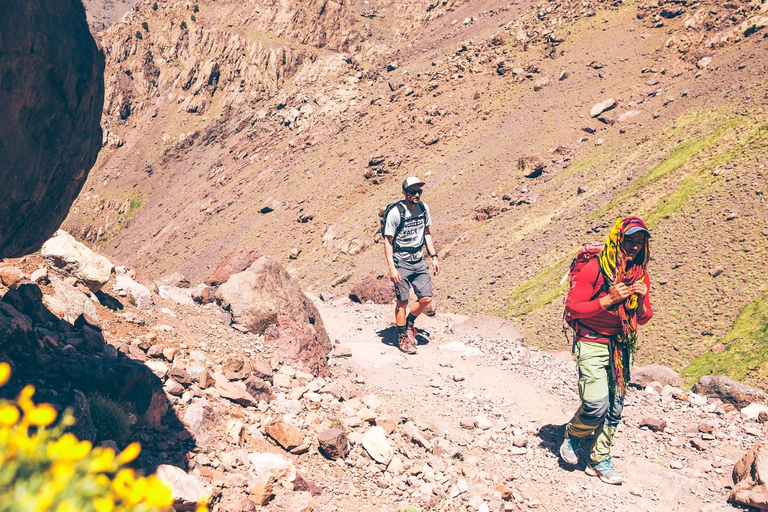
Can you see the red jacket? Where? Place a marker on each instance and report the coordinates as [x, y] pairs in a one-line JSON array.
[[583, 304]]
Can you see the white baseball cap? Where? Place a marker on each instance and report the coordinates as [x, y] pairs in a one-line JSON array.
[[412, 181]]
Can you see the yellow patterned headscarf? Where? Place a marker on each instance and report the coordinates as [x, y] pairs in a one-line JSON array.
[[616, 269]]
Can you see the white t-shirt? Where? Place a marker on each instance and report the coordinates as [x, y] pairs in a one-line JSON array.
[[412, 232]]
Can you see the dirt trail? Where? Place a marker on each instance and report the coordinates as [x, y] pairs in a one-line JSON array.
[[457, 376], [369, 333]]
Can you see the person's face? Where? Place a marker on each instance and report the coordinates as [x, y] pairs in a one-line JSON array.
[[413, 194], [633, 244]]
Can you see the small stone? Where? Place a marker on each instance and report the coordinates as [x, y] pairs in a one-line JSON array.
[[654, 424]]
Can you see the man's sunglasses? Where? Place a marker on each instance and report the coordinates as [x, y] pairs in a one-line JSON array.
[[413, 192]]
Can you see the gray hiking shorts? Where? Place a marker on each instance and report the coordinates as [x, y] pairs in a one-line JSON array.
[[416, 274]]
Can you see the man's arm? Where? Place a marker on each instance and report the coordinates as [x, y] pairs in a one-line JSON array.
[[432, 251], [394, 275]]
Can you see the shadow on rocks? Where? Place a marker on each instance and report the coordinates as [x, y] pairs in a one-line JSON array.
[[69, 363], [552, 437]]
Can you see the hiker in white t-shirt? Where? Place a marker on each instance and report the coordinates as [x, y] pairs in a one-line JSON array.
[[406, 231]]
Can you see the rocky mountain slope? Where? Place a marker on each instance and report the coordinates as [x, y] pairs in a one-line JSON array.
[[285, 127]]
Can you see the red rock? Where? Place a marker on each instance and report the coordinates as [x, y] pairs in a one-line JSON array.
[[378, 291], [50, 114], [750, 474], [261, 488], [287, 436], [302, 484], [11, 276], [654, 424], [728, 390], [235, 262], [333, 443], [531, 166], [288, 340]]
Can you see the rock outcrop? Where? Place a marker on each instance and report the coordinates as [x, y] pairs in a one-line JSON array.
[[50, 111], [750, 475], [74, 259], [258, 295], [729, 391]]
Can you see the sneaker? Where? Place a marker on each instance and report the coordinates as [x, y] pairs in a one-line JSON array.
[[605, 471], [569, 448], [405, 344]]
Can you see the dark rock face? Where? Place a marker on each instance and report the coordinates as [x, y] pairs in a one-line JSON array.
[[51, 96]]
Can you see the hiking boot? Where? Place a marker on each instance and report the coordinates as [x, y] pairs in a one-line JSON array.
[[569, 448], [410, 329], [605, 471], [405, 344]]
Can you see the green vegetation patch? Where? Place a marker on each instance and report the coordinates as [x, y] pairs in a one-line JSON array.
[[679, 157], [746, 349], [110, 419], [692, 184], [537, 292]]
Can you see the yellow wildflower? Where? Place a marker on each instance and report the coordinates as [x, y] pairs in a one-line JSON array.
[[122, 482], [5, 373], [9, 414], [25, 398], [105, 504], [41, 415], [66, 506], [67, 447], [202, 506], [103, 461], [129, 454], [158, 494]]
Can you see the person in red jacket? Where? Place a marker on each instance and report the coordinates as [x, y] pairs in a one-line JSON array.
[[608, 299]]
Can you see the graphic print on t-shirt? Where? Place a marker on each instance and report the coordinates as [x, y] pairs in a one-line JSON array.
[[412, 233]]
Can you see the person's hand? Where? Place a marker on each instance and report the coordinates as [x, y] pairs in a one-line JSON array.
[[394, 275], [639, 288], [616, 294], [435, 266]]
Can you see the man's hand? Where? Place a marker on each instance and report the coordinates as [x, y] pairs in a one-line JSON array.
[[435, 266], [394, 275], [639, 288], [616, 293]]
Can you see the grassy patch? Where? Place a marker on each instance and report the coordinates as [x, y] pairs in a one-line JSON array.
[[746, 347], [681, 155], [537, 292], [697, 181]]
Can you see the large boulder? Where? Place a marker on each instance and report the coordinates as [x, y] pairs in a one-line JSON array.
[[68, 302], [378, 291], [729, 391], [51, 97], [644, 375], [138, 294], [750, 476], [235, 262], [74, 259], [258, 295]]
